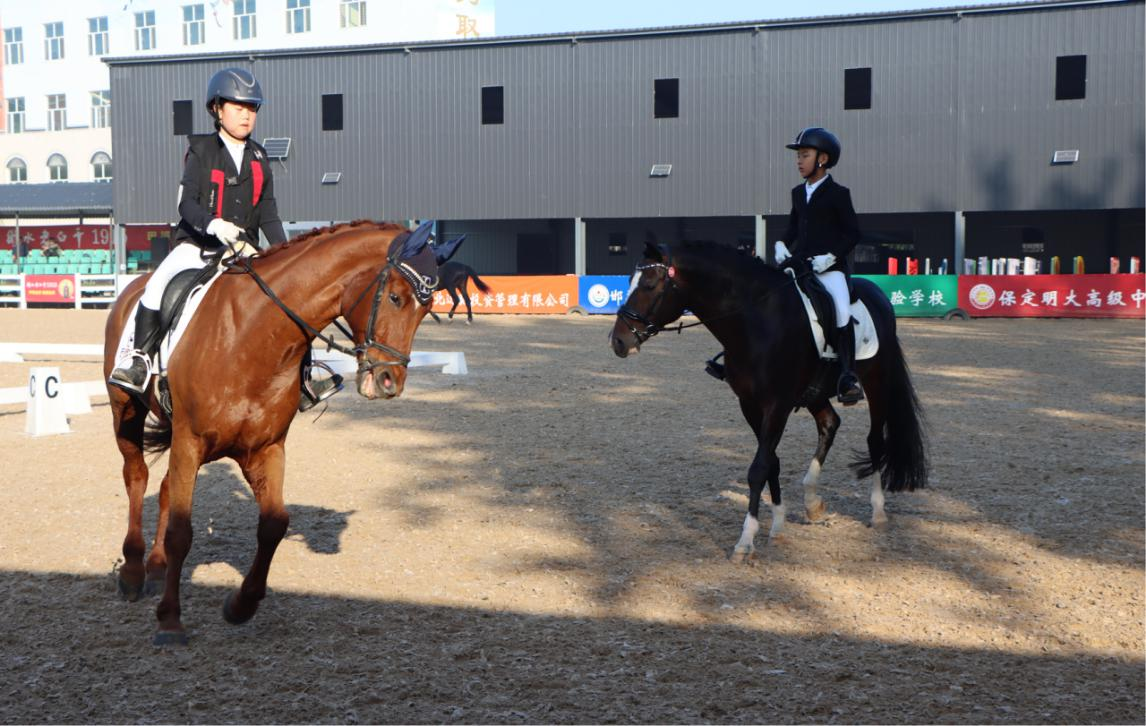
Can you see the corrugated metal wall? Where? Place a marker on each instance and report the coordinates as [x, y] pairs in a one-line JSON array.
[[963, 117]]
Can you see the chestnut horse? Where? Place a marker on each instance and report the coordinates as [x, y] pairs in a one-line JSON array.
[[234, 385], [772, 366]]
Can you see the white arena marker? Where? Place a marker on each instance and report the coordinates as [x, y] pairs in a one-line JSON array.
[[46, 414]]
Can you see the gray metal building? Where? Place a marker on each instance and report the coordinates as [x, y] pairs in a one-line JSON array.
[[950, 121]]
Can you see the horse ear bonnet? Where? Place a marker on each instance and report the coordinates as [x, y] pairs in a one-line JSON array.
[[415, 261], [653, 252], [446, 250]]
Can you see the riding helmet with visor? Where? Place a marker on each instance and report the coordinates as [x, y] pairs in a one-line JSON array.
[[819, 139], [233, 84]]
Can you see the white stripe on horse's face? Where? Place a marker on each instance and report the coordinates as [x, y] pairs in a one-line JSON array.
[[633, 284]]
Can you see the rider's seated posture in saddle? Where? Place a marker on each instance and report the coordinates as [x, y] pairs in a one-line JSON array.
[[226, 198], [822, 231]]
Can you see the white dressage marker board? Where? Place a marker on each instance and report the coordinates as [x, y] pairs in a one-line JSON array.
[[46, 415]]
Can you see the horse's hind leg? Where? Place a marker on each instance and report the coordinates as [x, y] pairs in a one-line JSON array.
[[465, 291], [877, 411], [128, 416], [264, 471], [827, 422], [456, 299]]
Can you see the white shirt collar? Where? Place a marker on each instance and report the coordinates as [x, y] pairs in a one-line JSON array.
[[236, 151], [810, 189]]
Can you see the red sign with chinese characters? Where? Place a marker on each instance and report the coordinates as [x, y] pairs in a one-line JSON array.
[[1053, 296], [524, 294], [50, 288]]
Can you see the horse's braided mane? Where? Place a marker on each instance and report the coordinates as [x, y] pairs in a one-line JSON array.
[[327, 231], [748, 269]]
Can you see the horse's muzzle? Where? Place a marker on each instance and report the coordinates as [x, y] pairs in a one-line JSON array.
[[380, 382], [621, 346]]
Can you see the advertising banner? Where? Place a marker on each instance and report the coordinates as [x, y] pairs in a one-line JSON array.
[[603, 293], [1053, 296], [50, 289], [919, 296], [520, 294]]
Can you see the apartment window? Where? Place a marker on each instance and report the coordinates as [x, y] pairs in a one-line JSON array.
[[181, 122], [97, 36], [53, 41], [1070, 77], [194, 29], [16, 115], [298, 16], [666, 98], [857, 89], [352, 13], [101, 167], [57, 112], [145, 30], [17, 170], [618, 244], [57, 168], [492, 105], [243, 23], [101, 109], [13, 46], [332, 112]]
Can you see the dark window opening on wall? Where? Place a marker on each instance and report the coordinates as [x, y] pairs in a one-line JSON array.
[[666, 98], [1070, 77], [181, 124], [857, 88], [618, 244], [492, 105], [332, 112]]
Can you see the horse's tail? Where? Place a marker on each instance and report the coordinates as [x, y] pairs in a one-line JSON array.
[[902, 459], [478, 282], [157, 436]]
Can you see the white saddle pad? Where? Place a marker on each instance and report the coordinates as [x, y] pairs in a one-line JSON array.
[[867, 343], [167, 345]]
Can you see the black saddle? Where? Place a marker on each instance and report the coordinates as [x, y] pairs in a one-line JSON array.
[[176, 294]]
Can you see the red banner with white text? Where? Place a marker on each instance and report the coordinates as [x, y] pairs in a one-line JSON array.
[[1053, 296]]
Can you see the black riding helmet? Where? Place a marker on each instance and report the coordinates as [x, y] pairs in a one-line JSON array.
[[233, 84], [819, 139]]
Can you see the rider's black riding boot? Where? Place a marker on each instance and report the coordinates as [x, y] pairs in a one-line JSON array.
[[850, 392], [713, 368], [147, 329], [314, 391]]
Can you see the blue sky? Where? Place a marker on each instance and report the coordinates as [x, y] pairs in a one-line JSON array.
[[528, 17]]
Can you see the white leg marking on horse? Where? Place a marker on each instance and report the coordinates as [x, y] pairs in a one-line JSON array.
[[778, 514], [747, 536], [813, 505], [878, 517]]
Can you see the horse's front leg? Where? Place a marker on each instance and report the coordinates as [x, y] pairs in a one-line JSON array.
[[264, 470], [128, 416], [827, 422], [186, 456], [765, 468]]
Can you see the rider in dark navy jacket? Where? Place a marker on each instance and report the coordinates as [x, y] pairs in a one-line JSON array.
[[822, 231], [226, 199]]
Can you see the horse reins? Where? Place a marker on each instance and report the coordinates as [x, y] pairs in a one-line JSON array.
[[364, 365], [626, 314]]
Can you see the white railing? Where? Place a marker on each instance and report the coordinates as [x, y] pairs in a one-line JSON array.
[[92, 291]]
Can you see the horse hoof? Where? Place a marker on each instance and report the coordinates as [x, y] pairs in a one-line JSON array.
[[229, 613], [128, 591], [742, 558], [170, 637], [815, 512], [880, 523]]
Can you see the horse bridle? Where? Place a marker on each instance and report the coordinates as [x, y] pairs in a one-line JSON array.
[[627, 314], [364, 364]]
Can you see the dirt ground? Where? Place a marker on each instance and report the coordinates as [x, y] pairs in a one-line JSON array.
[[544, 540]]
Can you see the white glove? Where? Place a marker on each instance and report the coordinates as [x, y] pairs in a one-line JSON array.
[[240, 249], [224, 231], [823, 262], [782, 253]]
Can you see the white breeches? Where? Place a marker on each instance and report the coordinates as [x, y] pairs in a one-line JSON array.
[[182, 257], [836, 284]]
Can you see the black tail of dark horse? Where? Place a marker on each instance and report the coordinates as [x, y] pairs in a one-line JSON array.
[[902, 459]]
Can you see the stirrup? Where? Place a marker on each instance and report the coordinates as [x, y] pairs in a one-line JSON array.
[[125, 376], [314, 392], [849, 395], [714, 369]]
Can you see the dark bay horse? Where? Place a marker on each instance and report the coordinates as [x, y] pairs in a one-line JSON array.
[[234, 384], [773, 367], [453, 277]]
